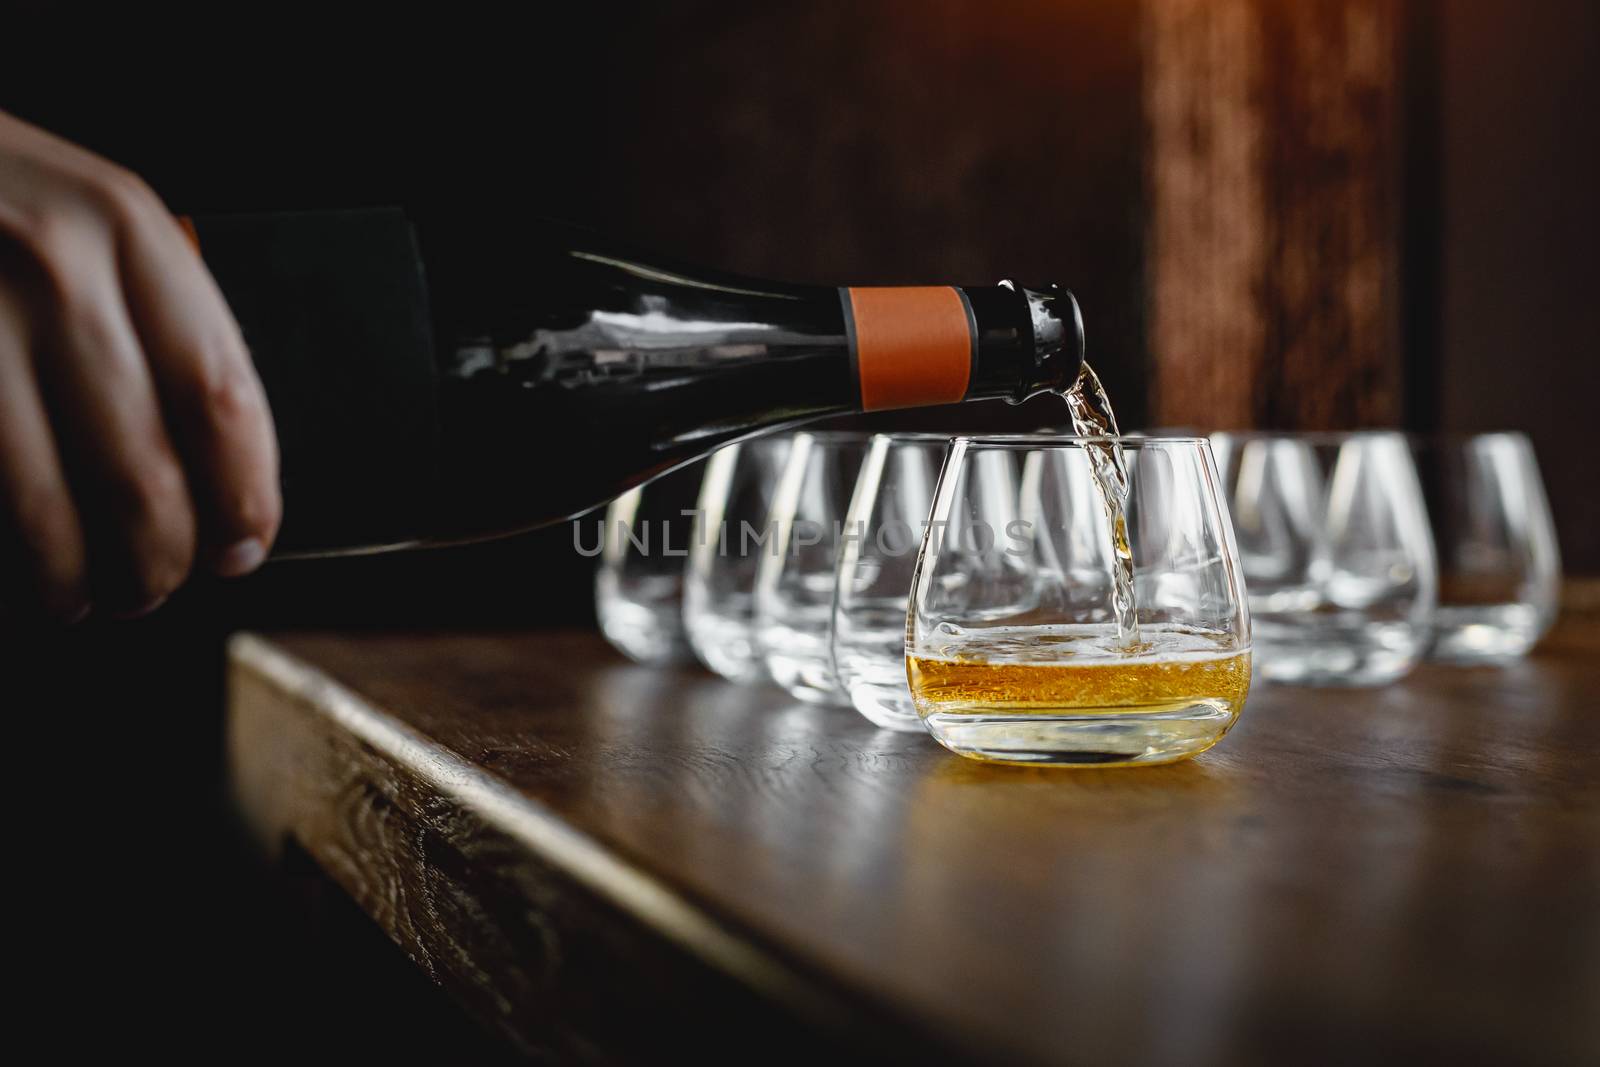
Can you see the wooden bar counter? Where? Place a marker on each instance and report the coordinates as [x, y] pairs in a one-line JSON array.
[[611, 863]]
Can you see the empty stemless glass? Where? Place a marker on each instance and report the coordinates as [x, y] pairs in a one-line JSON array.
[[1336, 552], [795, 577], [730, 534], [1015, 652], [638, 590], [1499, 567], [887, 518]]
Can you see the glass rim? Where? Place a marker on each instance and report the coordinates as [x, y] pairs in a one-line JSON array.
[[1307, 436], [1460, 437], [832, 436], [1024, 442], [929, 436]]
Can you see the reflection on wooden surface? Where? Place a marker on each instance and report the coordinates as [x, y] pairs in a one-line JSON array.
[[560, 838]]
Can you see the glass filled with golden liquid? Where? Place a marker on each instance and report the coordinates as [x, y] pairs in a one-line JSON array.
[[1078, 601]]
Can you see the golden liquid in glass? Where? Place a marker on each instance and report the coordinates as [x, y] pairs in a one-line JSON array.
[[1069, 697], [975, 687]]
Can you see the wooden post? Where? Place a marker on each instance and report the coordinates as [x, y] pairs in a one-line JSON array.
[[1274, 235]]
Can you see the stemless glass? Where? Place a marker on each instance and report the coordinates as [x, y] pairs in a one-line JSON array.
[[883, 530], [1499, 567], [638, 590], [1013, 649], [1336, 551], [730, 534], [795, 577]]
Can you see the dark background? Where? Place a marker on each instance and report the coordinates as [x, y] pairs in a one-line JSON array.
[[897, 141]]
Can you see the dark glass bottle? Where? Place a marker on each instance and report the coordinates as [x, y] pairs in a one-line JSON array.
[[443, 383]]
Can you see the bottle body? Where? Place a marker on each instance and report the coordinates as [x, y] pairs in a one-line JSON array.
[[564, 371]]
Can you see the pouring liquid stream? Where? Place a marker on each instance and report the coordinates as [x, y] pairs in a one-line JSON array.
[[1092, 417]]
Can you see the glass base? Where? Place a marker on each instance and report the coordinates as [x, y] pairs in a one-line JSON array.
[[1084, 737], [1495, 633], [799, 660], [887, 706], [1344, 656], [645, 633], [727, 645], [805, 678]]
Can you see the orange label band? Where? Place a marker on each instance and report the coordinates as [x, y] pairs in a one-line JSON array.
[[913, 345]]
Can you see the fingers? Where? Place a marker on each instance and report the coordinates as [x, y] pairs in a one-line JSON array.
[[130, 489], [214, 404], [134, 432], [43, 565]]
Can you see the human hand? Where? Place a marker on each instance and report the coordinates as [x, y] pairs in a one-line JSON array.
[[135, 438]]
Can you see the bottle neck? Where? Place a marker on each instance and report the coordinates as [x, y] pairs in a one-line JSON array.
[[917, 346], [854, 348], [539, 299]]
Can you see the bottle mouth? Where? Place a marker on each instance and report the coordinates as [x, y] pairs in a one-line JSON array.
[[1057, 323], [1058, 344]]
